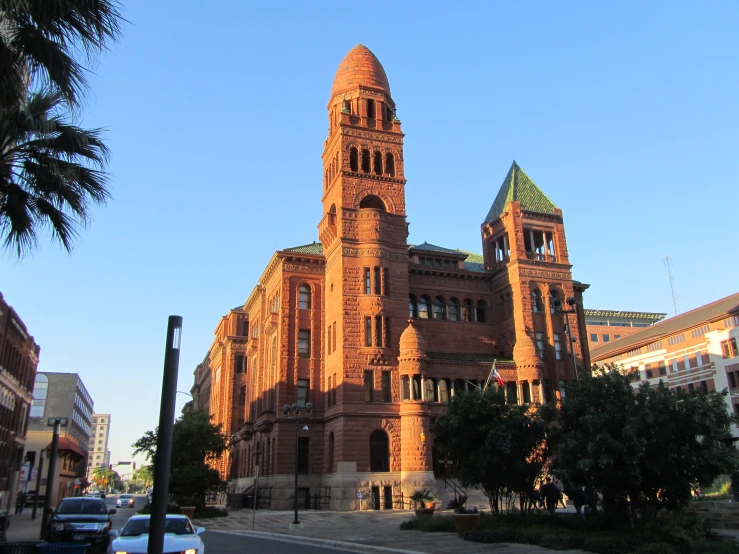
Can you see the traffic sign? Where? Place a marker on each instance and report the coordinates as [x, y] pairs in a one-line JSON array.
[[359, 495]]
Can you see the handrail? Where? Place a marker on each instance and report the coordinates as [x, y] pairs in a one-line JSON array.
[[458, 491]]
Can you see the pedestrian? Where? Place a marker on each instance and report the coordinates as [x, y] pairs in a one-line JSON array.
[[579, 499], [20, 503], [551, 494]]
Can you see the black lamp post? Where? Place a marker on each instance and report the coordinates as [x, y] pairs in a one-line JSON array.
[[295, 410], [557, 303]]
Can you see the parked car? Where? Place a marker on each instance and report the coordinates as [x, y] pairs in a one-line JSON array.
[[125, 501], [179, 536], [81, 519]]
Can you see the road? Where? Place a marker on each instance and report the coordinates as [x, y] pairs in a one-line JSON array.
[[221, 543]]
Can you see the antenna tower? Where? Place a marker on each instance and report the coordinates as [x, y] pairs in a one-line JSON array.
[[668, 263]]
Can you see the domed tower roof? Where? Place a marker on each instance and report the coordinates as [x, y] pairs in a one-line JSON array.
[[411, 340], [360, 67]]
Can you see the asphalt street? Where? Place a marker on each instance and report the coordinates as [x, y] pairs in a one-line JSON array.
[[223, 543]]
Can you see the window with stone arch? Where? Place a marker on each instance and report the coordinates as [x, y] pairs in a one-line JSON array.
[[366, 161], [452, 310], [372, 202], [354, 159], [438, 308], [412, 306], [304, 297], [379, 451], [482, 307], [468, 310], [332, 215], [423, 307], [537, 303], [553, 295], [390, 164], [378, 163]]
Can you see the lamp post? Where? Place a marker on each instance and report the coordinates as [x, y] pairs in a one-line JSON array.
[[557, 303], [295, 410]]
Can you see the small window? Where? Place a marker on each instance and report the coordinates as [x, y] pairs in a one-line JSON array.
[[453, 310], [378, 163], [405, 388], [481, 309], [606, 337], [303, 392], [367, 281], [378, 330], [386, 387], [443, 391], [468, 310], [368, 331], [540, 346], [378, 280], [353, 159], [423, 307], [369, 386], [304, 301], [366, 161], [431, 391], [304, 343], [370, 109], [593, 337], [557, 346], [536, 301], [386, 282], [390, 165], [412, 307], [438, 308]]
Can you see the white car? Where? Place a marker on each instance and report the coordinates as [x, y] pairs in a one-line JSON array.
[[179, 536]]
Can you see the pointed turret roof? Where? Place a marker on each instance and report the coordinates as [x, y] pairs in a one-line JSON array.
[[518, 187]]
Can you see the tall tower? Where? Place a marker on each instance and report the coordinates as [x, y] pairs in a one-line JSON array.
[[364, 235], [525, 247]]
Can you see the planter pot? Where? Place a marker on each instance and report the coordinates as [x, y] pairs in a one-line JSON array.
[[425, 511], [188, 511], [465, 522]]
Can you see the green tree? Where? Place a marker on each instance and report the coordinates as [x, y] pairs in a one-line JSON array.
[[497, 446], [635, 445], [40, 41], [51, 171], [104, 478], [197, 444], [144, 477]]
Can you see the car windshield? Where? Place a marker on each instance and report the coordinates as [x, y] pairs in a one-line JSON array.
[[80, 506], [125, 496], [177, 526]]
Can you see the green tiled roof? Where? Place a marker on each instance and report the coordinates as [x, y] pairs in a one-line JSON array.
[[313, 248], [518, 187], [472, 257], [433, 248], [464, 357]]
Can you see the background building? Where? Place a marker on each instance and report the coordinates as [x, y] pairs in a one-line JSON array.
[[695, 350], [19, 356], [328, 322], [97, 451], [61, 395], [606, 325]]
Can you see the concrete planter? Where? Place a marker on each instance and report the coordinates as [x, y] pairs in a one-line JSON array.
[[465, 522], [425, 511]]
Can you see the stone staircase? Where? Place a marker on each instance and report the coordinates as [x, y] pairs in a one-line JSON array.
[[447, 489]]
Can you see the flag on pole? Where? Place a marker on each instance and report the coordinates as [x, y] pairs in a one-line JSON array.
[[497, 376]]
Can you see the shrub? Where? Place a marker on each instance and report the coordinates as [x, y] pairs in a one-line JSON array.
[[612, 544], [410, 525], [437, 524], [656, 548]]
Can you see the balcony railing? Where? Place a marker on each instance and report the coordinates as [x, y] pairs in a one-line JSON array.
[[538, 257]]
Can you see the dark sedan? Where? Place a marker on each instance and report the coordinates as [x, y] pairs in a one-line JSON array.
[[81, 519]]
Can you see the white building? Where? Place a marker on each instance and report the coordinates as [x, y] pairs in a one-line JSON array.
[[98, 453]]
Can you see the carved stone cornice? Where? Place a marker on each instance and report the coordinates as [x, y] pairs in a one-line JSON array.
[[374, 253], [387, 136]]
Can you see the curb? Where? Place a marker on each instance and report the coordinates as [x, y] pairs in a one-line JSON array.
[[331, 543]]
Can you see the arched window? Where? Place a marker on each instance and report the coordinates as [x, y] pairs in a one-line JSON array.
[[468, 310], [390, 164], [536, 301], [353, 160], [304, 297], [378, 163], [366, 161], [431, 395], [330, 468], [273, 353], [40, 387], [438, 309], [423, 307], [453, 310], [379, 451], [373, 202], [412, 307], [332, 215], [481, 309]]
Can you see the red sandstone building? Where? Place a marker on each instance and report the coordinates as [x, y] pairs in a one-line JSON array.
[[328, 322]]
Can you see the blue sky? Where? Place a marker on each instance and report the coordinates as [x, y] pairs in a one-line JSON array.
[[624, 113]]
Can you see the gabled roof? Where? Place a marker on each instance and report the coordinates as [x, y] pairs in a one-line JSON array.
[[710, 312], [315, 248], [518, 187]]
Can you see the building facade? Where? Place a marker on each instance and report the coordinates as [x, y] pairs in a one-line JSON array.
[[695, 350], [19, 356], [377, 333], [61, 395], [97, 450], [604, 326]]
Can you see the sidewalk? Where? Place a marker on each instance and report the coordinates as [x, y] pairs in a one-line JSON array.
[[366, 531], [22, 528]]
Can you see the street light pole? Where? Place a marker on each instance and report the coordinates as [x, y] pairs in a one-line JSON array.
[[295, 410]]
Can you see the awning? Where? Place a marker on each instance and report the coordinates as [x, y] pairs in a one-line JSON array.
[[69, 445]]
